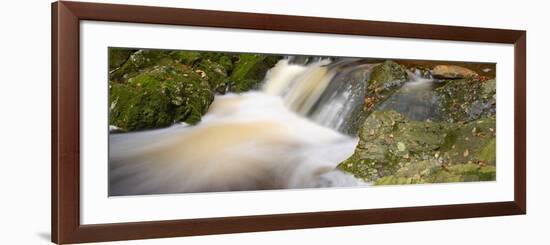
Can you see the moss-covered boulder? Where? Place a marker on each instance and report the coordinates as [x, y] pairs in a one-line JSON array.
[[388, 141], [390, 145], [384, 80], [158, 98], [155, 88], [138, 62], [386, 76], [467, 99]]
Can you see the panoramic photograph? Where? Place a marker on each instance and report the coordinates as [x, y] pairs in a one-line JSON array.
[[185, 121]]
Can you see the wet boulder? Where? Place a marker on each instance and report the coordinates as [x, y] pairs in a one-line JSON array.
[[384, 80], [392, 148], [388, 141], [467, 99]]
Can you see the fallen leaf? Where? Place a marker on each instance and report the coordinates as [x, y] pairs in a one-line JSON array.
[[466, 153]]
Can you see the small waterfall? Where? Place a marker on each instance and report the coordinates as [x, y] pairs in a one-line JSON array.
[[290, 134], [329, 93], [300, 87]]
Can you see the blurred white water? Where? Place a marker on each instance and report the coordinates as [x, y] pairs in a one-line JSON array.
[[285, 135]]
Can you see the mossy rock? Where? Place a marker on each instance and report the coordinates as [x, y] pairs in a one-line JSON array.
[[466, 100], [214, 73], [223, 59], [389, 143], [158, 98], [138, 62], [426, 172], [473, 142], [386, 76], [185, 57], [156, 88], [384, 80], [118, 56]]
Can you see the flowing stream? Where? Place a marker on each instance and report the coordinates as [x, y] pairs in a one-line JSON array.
[[291, 133]]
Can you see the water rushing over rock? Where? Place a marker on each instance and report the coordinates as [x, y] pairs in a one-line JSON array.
[[329, 93], [299, 127], [249, 141]]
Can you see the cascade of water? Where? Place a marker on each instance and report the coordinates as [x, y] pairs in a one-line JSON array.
[[291, 134], [329, 93]]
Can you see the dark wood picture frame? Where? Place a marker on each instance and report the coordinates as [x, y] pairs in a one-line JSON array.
[[65, 172]]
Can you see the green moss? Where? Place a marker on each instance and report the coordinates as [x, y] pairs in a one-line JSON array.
[[488, 153], [215, 73], [138, 62], [249, 70], [155, 88], [117, 56], [439, 174], [223, 59], [472, 142], [244, 67], [185, 57], [159, 98]]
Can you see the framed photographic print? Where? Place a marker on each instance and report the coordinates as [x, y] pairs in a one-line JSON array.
[[177, 122]]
